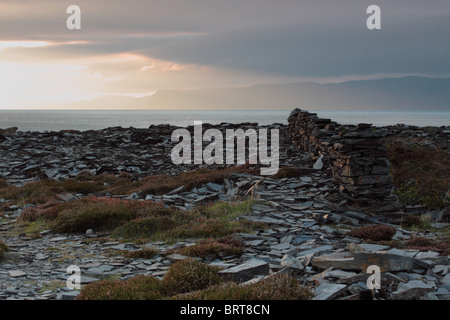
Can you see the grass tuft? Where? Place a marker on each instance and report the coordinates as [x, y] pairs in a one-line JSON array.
[[275, 287], [213, 249], [209, 221], [3, 248], [100, 214], [136, 288]]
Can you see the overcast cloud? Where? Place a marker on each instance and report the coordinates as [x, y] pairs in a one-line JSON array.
[[241, 41]]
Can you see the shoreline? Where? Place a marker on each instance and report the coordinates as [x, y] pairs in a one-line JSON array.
[[98, 120]]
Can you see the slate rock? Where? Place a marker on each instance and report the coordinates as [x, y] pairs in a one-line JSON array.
[[71, 295], [246, 271], [291, 264], [329, 291], [386, 262], [412, 290], [17, 273]]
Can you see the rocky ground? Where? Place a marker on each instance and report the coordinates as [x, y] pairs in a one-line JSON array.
[[307, 235]]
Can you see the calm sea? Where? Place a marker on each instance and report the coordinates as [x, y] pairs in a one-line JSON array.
[[87, 120]]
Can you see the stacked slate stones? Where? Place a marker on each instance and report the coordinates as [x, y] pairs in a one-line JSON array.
[[356, 156]]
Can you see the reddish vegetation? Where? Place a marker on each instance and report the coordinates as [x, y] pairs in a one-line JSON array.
[[420, 173], [373, 232], [161, 184], [214, 248], [425, 244], [100, 213]]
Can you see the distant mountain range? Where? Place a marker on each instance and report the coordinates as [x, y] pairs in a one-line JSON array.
[[407, 93]]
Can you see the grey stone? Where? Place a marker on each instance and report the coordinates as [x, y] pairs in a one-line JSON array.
[[124, 246], [373, 247], [340, 263], [339, 274], [446, 279], [319, 164], [440, 269], [102, 269], [412, 290], [386, 262], [246, 271], [358, 287], [87, 280], [57, 239], [302, 239], [404, 253], [41, 256], [329, 291], [426, 255], [215, 187], [292, 264], [176, 257], [314, 251], [72, 295], [17, 273]]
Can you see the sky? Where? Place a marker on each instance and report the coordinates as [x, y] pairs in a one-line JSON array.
[[139, 47]]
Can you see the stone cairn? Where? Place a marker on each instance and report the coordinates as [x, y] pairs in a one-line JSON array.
[[356, 156]]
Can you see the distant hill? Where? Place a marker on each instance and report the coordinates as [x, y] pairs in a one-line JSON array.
[[407, 93]]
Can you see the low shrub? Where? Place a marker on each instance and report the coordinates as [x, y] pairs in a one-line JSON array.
[[39, 192], [136, 288], [158, 222], [192, 280], [3, 248], [214, 248], [190, 275], [275, 287], [28, 215], [425, 244], [100, 214], [373, 232], [141, 254], [3, 183], [161, 184], [420, 173], [209, 221]]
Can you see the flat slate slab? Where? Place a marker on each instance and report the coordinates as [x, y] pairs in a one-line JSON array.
[[329, 291], [412, 290], [17, 273], [246, 271], [386, 262]]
